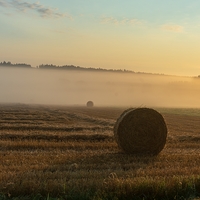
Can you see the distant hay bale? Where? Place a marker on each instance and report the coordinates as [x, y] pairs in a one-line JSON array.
[[141, 131], [90, 104]]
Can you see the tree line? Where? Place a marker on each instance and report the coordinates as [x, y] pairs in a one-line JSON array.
[[69, 67], [9, 64], [64, 67]]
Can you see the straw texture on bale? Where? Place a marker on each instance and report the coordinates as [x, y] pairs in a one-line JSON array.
[[90, 104], [141, 131]]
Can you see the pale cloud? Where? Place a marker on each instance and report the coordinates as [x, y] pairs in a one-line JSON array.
[[42, 10], [172, 28], [123, 21], [3, 3]]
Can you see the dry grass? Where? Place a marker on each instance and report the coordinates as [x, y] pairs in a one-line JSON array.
[[70, 152]]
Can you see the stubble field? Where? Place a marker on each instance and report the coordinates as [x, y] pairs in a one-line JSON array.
[[51, 152]]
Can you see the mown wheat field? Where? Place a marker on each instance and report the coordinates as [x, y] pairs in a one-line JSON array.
[[65, 152]]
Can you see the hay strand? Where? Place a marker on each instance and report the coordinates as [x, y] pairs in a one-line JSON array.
[[141, 131]]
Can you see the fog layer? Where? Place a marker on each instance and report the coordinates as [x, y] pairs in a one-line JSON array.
[[36, 86]]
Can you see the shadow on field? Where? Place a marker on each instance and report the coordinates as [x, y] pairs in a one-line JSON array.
[[116, 162]]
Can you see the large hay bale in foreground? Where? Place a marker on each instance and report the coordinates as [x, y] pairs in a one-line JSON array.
[[141, 131], [90, 104]]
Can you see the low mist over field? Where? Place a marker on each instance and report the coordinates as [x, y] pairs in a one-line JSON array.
[[37, 86]]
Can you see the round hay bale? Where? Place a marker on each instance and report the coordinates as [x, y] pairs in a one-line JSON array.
[[90, 104], [141, 131]]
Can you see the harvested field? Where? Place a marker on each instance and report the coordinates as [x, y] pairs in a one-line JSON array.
[[70, 153]]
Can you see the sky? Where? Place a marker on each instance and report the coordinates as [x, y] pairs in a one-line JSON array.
[[140, 35]]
